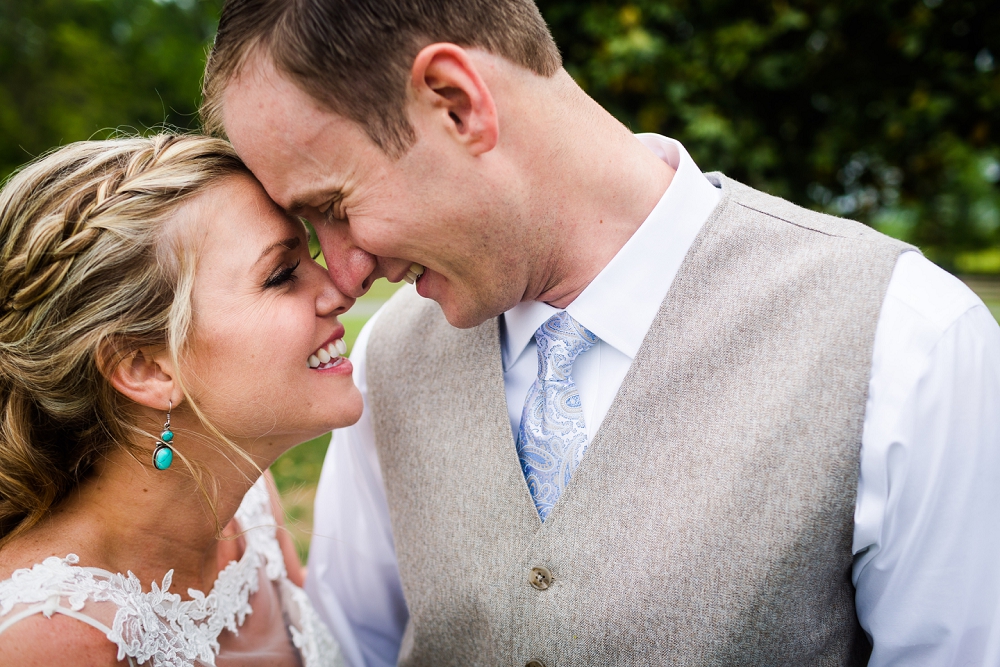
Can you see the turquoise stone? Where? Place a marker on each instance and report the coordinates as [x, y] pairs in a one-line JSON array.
[[167, 436], [163, 457]]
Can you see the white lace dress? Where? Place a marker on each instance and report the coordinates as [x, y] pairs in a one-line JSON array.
[[158, 628]]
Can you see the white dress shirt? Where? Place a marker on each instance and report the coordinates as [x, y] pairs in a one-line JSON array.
[[927, 519]]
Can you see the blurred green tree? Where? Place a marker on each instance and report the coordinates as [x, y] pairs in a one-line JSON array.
[[887, 111], [78, 69]]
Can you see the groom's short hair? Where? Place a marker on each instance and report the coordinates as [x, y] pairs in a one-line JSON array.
[[354, 56]]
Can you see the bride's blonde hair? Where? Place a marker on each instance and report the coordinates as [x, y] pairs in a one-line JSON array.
[[88, 273]]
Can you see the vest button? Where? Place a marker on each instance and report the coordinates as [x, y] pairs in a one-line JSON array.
[[541, 579], [534, 663]]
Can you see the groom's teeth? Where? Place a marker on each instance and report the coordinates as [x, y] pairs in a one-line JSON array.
[[314, 361], [414, 272], [323, 355], [340, 346]]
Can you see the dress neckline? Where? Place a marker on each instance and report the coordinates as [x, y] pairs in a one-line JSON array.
[[159, 623]]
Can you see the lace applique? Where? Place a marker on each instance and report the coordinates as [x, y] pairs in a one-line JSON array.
[[161, 628], [310, 636]]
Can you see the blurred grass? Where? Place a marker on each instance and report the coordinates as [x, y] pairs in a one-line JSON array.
[[297, 471]]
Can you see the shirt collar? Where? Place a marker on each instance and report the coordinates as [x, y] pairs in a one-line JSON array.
[[621, 303]]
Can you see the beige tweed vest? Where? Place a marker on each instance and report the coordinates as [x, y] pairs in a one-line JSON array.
[[710, 521]]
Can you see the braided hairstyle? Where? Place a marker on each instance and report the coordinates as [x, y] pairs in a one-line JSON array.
[[86, 266]]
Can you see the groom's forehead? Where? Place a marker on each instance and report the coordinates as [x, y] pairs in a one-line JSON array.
[[281, 132], [261, 97], [263, 103]]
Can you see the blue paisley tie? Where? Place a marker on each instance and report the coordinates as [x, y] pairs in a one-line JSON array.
[[553, 436]]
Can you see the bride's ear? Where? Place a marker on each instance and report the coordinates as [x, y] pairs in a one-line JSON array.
[[145, 375]]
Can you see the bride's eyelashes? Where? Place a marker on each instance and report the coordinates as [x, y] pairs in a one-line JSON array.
[[282, 275]]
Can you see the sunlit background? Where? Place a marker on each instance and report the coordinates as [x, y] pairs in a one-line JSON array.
[[884, 111]]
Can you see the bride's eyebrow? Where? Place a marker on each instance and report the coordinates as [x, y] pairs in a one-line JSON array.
[[291, 243]]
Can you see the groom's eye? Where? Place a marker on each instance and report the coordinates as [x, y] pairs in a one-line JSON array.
[[335, 210]]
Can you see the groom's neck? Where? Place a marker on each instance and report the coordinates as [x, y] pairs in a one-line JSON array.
[[594, 187]]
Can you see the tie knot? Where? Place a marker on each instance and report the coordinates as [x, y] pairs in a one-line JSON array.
[[560, 341]]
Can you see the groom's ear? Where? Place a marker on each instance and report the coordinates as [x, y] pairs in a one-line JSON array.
[[448, 87], [145, 375]]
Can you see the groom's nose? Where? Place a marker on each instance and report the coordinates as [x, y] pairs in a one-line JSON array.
[[352, 269]]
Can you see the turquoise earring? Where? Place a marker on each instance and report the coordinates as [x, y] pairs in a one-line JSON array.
[[163, 456]]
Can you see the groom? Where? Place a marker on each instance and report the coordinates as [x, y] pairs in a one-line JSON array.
[[631, 413]]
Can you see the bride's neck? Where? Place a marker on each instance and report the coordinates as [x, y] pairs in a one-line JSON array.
[[129, 516]]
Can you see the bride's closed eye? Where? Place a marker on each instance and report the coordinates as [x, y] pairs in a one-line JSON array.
[[282, 275]]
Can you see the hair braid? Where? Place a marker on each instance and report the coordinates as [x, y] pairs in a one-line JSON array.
[[85, 261]]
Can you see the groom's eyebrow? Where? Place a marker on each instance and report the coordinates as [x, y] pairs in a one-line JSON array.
[[290, 243]]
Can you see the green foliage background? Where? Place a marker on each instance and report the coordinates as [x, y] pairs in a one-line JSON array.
[[887, 111], [79, 69]]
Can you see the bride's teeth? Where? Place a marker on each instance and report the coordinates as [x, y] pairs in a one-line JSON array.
[[314, 361], [323, 355], [340, 346], [331, 349], [410, 278]]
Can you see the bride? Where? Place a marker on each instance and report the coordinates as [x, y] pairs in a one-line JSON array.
[[164, 337]]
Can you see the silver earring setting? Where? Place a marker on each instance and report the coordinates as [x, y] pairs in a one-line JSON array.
[[163, 455]]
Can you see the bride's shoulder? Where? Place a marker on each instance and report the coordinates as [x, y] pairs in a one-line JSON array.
[[43, 541], [56, 612], [25, 554], [38, 641]]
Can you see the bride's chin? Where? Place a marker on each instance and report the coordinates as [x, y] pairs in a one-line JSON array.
[[341, 411], [352, 410]]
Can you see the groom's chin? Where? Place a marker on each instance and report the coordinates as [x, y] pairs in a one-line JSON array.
[[463, 308], [464, 311], [464, 315]]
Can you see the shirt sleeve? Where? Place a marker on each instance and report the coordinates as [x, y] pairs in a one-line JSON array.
[[353, 579], [927, 521]]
